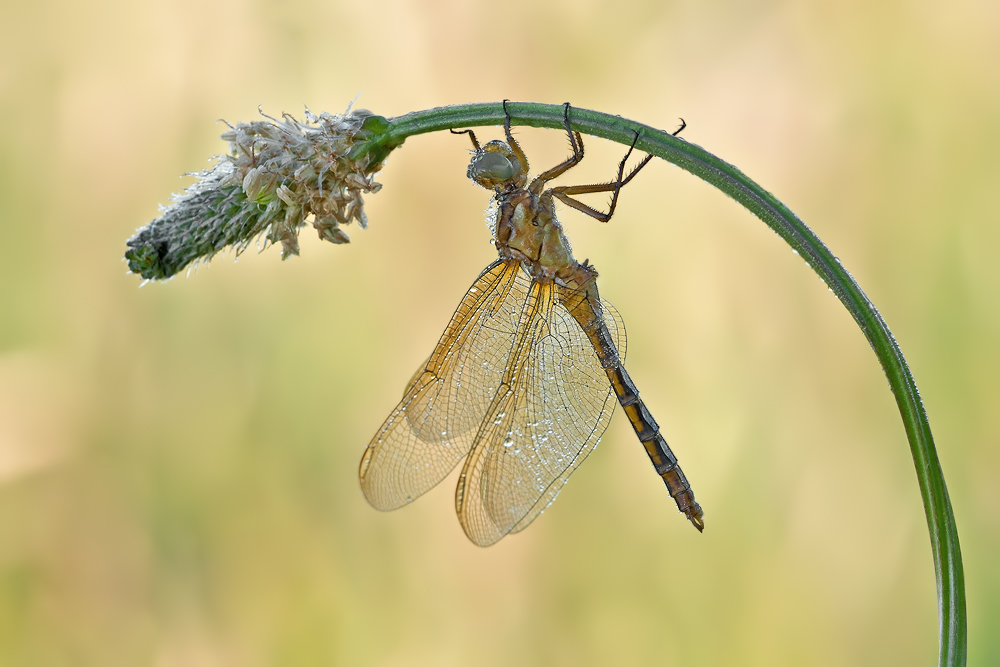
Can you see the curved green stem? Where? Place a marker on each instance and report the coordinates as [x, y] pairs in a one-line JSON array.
[[729, 179]]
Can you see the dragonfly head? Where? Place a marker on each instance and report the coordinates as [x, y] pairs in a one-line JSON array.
[[496, 167]]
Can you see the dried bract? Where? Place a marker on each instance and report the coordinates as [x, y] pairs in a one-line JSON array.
[[279, 176]]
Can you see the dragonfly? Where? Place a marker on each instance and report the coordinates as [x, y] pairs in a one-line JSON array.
[[524, 380]]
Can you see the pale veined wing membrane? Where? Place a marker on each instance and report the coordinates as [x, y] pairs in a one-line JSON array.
[[470, 358], [546, 418], [433, 426]]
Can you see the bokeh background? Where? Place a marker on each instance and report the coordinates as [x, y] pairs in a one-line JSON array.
[[178, 462]]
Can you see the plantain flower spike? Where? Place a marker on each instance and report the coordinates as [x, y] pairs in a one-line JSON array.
[[279, 176]]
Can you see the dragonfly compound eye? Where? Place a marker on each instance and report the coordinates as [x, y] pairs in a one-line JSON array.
[[490, 169]]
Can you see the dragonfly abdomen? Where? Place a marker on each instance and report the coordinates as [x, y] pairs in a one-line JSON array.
[[660, 455], [581, 298]]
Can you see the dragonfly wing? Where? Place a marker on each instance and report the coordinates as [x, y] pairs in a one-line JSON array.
[[616, 326], [433, 426], [471, 357], [543, 422], [585, 380]]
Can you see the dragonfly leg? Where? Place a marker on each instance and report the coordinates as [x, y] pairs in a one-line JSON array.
[[563, 192], [472, 135], [575, 142], [511, 141]]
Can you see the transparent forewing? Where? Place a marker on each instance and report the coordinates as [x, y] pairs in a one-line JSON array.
[[433, 426], [547, 416], [463, 372], [616, 325]]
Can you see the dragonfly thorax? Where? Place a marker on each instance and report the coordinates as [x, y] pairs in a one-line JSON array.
[[527, 230]]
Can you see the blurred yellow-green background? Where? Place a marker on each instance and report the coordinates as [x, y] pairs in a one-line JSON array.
[[178, 462]]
